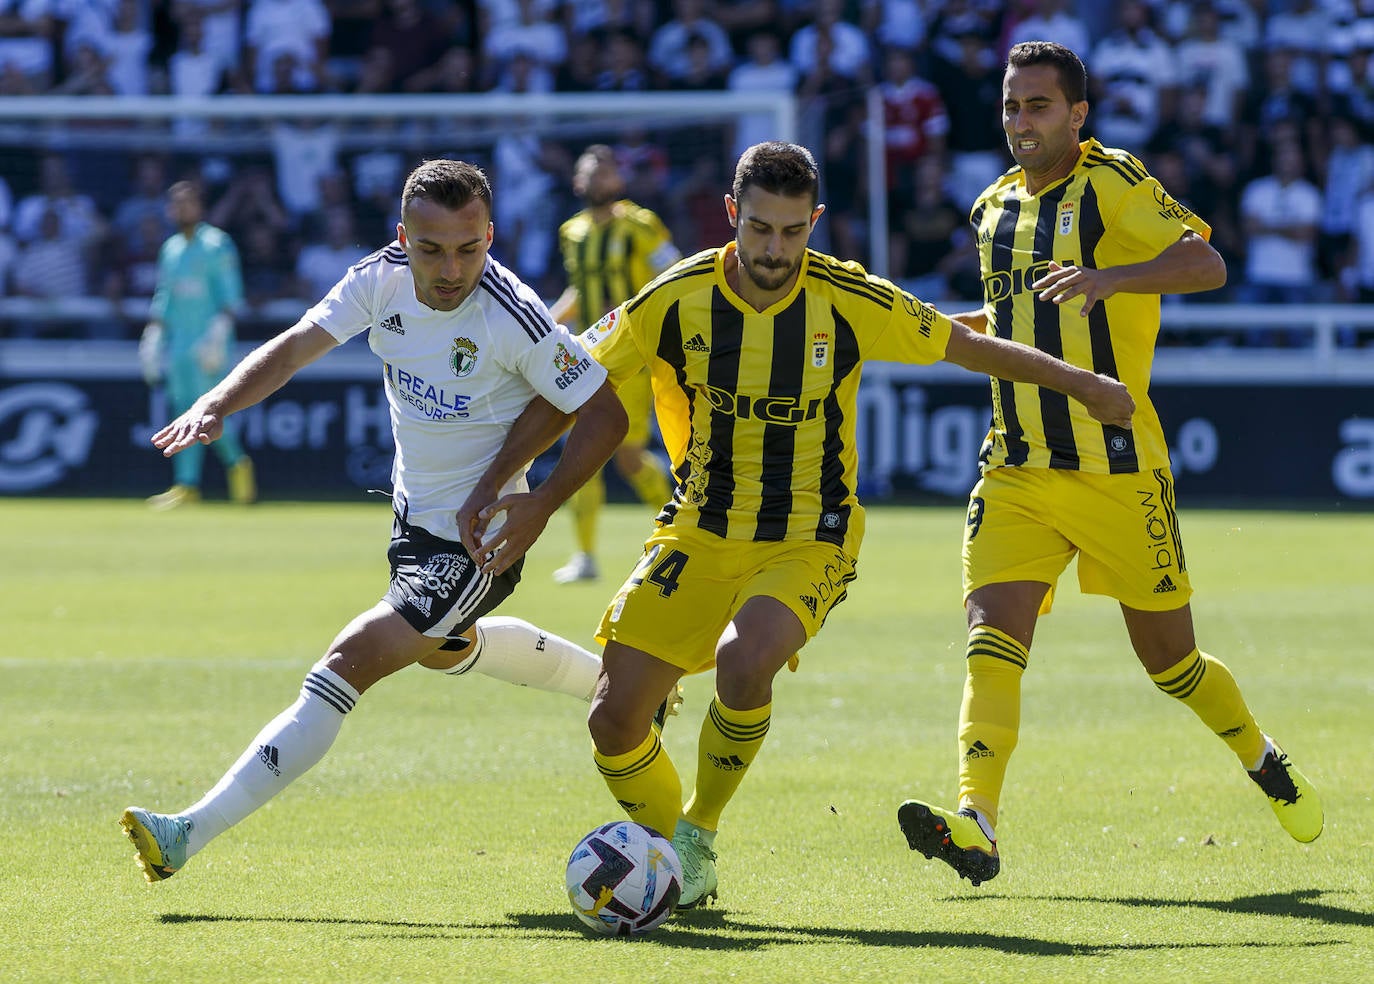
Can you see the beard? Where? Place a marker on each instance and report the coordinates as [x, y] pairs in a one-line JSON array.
[[768, 275], [600, 197]]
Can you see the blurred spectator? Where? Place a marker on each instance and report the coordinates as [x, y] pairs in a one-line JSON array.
[[86, 72], [742, 19], [1350, 84], [27, 29], [971, 88], [1349, 171], [956, 20], [129, 48], [645, 166], [1360, 279], [580, 69], [533, 34], [322, 261], [624, 70], [136, 247], [914, 118], [1280, 212], [849, 55], [1050, 20], [695, 209], [352, 23], [407, 40], [599, 17], [1217, 63], [267, 269], [923, 224], [303, 151], [80, 221], [250, 202], [1205, 153], [145, 199], [455, 71], [1275, 102], [297, 30], [895, 23], [1305, 28], [764, 70], [1242, 21], [701, 75], [8, 253], [194, 70], [220, 27], [523, 74], [1131, 74], [53, 265], [525, 207], [668, 44]]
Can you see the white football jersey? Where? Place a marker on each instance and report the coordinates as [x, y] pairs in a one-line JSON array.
[[455, 380]]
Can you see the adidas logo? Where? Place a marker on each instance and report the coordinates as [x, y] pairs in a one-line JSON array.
[[810, 603], [979, 751], [423, 603], [268, 754], [393, 323], [728, 763], [696, 344], [1165, 585], [629, 807]]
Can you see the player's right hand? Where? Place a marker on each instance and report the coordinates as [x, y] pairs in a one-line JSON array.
[[195, 426], [1109, 401]]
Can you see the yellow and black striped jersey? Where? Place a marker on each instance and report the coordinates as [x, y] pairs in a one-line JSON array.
[[609, 263], [1109, 211], [757, 408]]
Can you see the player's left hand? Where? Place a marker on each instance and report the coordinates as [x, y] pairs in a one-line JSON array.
[[526, 515], [1063, 283]]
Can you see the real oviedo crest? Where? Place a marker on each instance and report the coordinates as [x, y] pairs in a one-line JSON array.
[[820, 349], [462, 358]]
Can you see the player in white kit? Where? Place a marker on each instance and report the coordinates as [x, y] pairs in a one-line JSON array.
[[465, 347]]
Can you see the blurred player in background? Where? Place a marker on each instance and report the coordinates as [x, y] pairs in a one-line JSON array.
[[186, 341], [465, 348], [1077, 244], [756, 349], [611, 249]]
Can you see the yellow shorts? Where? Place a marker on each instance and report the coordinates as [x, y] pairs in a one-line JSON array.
[[638, 397], [689, 584], [1026, 524]]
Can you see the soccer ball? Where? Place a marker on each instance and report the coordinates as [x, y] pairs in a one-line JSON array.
[[624, 878]]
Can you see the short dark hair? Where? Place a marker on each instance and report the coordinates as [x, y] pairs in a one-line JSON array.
[[1073, 77], [779, 168], [451, 184]]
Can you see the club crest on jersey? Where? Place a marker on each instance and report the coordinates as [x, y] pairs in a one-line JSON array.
[[1065, 218], [563, 360], [820, 349], [462, 358]]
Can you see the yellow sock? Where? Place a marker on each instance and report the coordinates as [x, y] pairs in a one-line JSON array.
[[729, 741], [586, 505], [645, 783], [1205, 684], [989, 718], [650, 481]]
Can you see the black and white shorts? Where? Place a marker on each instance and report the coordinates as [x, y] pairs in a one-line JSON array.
[[436, 587]]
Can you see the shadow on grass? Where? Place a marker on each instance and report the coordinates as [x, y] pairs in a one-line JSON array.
[[725, 933], [1298, 904]]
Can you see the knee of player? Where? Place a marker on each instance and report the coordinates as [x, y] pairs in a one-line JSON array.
[[615, 726]]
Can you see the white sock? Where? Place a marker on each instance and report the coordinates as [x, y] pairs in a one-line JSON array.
[[282, 752], [1268, 747], [517, 652]]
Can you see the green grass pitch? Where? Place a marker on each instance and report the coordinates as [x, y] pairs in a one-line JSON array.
[[141, 652]]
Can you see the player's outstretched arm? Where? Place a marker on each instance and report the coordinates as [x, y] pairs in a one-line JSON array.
[[1106, 399], [262, 372], [597, 430]]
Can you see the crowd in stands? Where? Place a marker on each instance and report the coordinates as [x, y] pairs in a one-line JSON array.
[[1258, 114]]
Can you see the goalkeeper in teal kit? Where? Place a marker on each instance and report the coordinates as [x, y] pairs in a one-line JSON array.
[[187, 339]]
